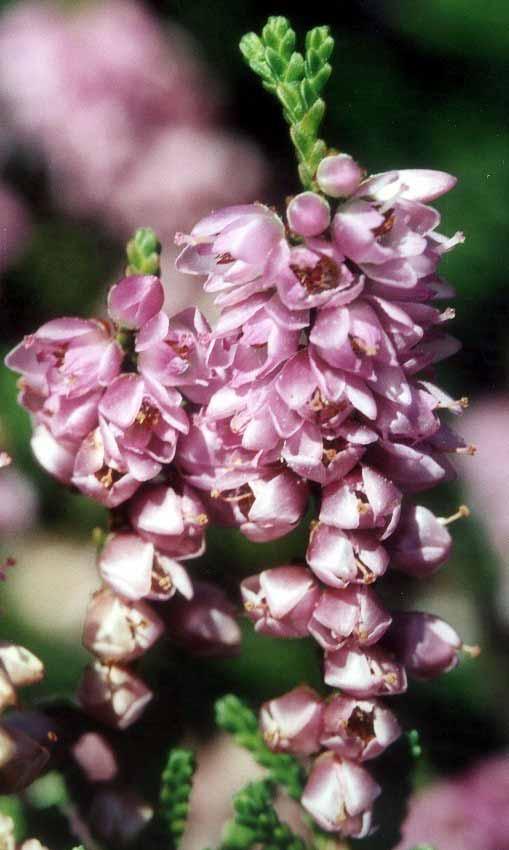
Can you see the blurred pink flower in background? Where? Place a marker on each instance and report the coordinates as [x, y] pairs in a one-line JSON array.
[[126, 118], [14, 226], [18, 502], [469, 812]]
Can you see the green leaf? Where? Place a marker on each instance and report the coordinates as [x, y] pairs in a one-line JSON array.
[[176, 786]]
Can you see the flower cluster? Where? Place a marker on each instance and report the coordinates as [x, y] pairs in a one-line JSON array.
[[314, 388], [328, 333]]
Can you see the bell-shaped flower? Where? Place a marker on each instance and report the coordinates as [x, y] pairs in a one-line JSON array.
[[173, 521], [232, 246], [292, 723], [339, 557], [119, 631], [426, 645], [421, 543], [339, 795], [100, 471], [134, 300], [350, 615], [113, 695], [205, 625], [364, 499], [358, 729], [134, 569], [281, 601], [364, 672]]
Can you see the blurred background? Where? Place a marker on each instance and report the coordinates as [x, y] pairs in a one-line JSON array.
[[119, 114]]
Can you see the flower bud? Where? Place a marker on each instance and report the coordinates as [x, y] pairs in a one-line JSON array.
[[22, 759], [113, 695], [205, 625], [364, 673], [119, 631], [354, 613], [280, 601], [21, 666], [358, 729], [293, 723], [134, 300], [339, 175], [95, 757], [421, 543], [308, 214], [339, 795], [426, 645]]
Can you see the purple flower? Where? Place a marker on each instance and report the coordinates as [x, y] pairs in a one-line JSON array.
[[426, 645], [364, 673], [173, 521], [358, 729], [339, 557], [352, 615], [293, 722], [113, 695], [281, 601], [339, 794], [134, 300], [364, 499], [134, 569], [421, 543], [205, 625]]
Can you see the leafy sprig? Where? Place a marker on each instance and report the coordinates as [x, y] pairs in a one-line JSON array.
[[176, 786], [143, 253], [297, 81], [256, 822]]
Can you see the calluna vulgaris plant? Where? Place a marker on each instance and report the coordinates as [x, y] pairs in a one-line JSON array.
[[313, 392]]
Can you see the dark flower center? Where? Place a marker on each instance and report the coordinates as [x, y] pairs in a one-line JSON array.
[[322, 277], [360, 724]]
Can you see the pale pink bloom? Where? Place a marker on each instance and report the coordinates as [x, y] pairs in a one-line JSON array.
[[134, 300], [269, 507], [134, 569], [205, 625], [308, 214], [339, 795], [364, 499], [95, 757], [113, 695], [54, 456], [281, 601], [339, 175], [233, 247], [293, 722], [421, 543], [426, 645], [352, 615], [173, 521], [364, 673], [467, 812], [358, 729], [119, 631], [339, 557], [100, 471]]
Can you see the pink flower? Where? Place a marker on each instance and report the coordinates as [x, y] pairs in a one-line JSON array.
[[358, 729], [339, 557], [426, 645], [281, 601], [20, 665], [339, 795], [143, 420], [308, 214], [339, 175], [364, 673], [232, 246], [173, 521], [100, 471], [134, 300], [313, 274], [466, 812], [117, 631], [293, 722], [134, 569], [113, 695], [95, 757], [350, 615], [205, 625], [362, 500], [421, 543]]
